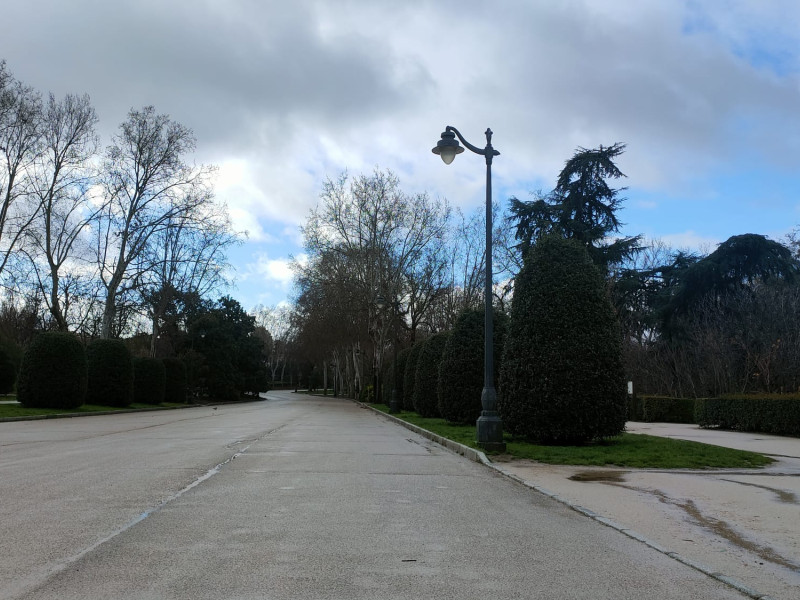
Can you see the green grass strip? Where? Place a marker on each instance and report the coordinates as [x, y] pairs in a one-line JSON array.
[[17, 410], [627, 450]]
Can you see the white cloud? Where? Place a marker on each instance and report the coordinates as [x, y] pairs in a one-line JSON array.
[[690, 240], [282, 94]]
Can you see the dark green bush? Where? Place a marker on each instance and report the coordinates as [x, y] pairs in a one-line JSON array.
[[175, 382], [410, 375], [426, 381], [664, 409], [635, 412], [562, 380], [461, 374], [53, 372], [149, 380], [8, 373], [402, 357], [110, 373], [778, 414], [367, 394]]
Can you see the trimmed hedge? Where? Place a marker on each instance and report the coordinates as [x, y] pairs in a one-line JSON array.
[[410, 376], [562, 379], [389, 381], [53, 372], [149, 380], [665, 409], [175, 382], [8, 373], [426, 381], [461, 370], [777, 414], [110, 373]]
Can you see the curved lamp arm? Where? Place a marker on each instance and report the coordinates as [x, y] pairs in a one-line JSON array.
[[487, 152]]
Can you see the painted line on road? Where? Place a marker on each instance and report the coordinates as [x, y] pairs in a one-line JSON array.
[[66, 563], [480, 457]]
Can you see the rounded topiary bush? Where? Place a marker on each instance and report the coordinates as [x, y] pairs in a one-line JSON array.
[[8, 373], [461, 371], [52, 373], [562, 378], [397, 384], [149, 380], [426, 404], [409, 376], [110, 373], [175, 380]]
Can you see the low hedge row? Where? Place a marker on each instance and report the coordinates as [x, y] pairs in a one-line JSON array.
[[661, 409], [777, 414]]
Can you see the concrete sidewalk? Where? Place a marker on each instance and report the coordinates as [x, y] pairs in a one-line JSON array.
[[743, 524]]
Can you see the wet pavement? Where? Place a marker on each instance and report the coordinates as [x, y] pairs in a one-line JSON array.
[[297, 497], [740, 523]]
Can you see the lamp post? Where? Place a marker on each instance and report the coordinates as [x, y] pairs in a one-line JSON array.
[[489, 425], [382, 303]]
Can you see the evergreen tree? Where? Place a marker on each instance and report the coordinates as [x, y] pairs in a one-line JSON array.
[[562, 379], [582, 207], [426, 379], [461, 370]]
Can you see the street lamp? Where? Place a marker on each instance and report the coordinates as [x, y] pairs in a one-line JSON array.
[[489, 426], [382, 303]]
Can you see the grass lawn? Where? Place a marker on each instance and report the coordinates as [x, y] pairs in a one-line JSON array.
[[17, 410], [626, 450]]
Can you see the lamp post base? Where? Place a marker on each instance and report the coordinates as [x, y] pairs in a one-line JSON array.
[[490, 432]]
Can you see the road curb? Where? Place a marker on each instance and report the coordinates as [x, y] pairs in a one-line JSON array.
[[480, 457]]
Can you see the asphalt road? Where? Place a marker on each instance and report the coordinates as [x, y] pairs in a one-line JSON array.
[[293, 498]]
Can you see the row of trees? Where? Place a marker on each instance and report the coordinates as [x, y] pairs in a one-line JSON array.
[[688, 324], [126, 241], [97, 241]]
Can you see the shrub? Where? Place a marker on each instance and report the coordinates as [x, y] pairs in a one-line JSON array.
[[110, 373], [175, 382], [8, 373], [461, 375], [53, 372], [402, 358], [367, 394], [664, 409], [634, 410], [778, 414], [149, 380], [426, 380], [409, 376], [562, 379]]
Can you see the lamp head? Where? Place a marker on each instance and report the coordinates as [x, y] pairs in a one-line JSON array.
[[448, 147]]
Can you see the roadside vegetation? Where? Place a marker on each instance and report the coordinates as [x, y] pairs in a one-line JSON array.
[[625, 450], [18, 410]]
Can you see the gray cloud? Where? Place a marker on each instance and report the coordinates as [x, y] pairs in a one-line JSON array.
[[295, 91]]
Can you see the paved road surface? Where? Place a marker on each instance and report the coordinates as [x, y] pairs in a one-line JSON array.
[[293, 498]]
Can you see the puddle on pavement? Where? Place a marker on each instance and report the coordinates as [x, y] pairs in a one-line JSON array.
[[782, 495], [724, 530], [602, 476], [721, 528]]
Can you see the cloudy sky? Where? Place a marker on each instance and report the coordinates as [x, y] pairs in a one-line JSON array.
[[284, 93]]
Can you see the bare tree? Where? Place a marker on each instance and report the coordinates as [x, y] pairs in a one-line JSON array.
[[185, 257], [277, 320], [61, 183], [147, 186], [20, 110], [367, 238]]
